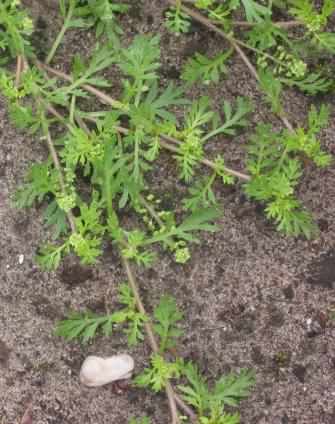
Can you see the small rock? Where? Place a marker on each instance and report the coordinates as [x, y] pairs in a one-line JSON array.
[[97, 371]]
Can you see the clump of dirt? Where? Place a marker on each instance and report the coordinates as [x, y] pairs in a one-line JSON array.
[[4, 354], [322, 271]]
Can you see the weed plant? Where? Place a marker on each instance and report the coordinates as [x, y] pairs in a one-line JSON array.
[[116, 148]]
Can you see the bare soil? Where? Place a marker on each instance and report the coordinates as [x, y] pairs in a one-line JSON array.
[[251, 297]]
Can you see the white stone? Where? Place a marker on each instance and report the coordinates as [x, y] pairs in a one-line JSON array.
[[96, 371]]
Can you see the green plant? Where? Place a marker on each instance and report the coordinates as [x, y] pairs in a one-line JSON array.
[[101, 162], [102, 14], [278, 64], [159, 372], [177, 21], [85, 326], [16, 27], [275, 161], [167, 315], [201, 68], [210, 403]]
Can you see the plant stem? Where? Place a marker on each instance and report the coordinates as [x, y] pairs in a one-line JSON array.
[[207, 162], [72, 109], [258, 51], [152, 341], [61, 33], [106, 99], [280, 24], [57, 165], [235, 44], [19, 67], [173, 397]]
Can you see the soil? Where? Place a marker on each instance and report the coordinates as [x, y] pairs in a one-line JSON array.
[[251, 297]]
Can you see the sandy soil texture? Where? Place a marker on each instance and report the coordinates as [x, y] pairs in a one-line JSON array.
[[251, 297]]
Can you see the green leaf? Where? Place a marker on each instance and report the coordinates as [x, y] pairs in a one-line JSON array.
[[272, 88], [84, 326], [40, 181], [15, 29], [206, 70], [233, 119], [313, 83], [177, 21], [305, 11], [199, 220], [140, 59], [231, 388], [265, 35], [158, 374], [276, 172], [197, 393], [49, 256], [87, 248], [198, 115], [326, 41], [167, 315], [254, 11], [155, 104], [201, 194], [317, 120], [228, 390], [56, 217], [291, 218], [103, 15]]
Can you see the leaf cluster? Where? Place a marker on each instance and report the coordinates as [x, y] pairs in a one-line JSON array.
[[159, 373], [206, 70], [209, 402], [15, 29], [102, 14], [86, 326], [275, 162]]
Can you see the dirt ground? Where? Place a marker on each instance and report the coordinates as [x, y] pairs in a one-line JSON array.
[[251, 297]]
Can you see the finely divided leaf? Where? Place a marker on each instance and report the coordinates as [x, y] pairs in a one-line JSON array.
[[254, 11], [204, 69], [167, 315], [231, 388]]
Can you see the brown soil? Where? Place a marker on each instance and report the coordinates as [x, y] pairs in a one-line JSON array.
[[251, 297]]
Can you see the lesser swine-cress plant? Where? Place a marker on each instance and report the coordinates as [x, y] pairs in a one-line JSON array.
[[116, 149]]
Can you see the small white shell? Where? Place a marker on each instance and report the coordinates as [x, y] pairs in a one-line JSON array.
[[97, 371]]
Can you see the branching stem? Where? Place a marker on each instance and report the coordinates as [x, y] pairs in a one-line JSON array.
[[172, 396], [61, 33], [234, 43], [245, 24], [57, 165], [165, 139]]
